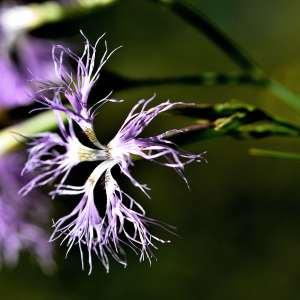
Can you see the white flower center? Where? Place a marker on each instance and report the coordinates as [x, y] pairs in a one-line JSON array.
[[79, 153]]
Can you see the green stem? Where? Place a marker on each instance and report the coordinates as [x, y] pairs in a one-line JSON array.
[[206, 78], [207, 121], [282, 92], [11, 138], [193, 16], [274, 154]]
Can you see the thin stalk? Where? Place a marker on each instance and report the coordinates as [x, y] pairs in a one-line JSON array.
[[204, 79], [274, 154], [193, 16], [11, 138], [206, 122]]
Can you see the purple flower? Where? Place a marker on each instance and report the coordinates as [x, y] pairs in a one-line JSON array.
[[22, 58], [12, 85], [84, 225], [51, 163], [126, 143], [76, 88], [124, 221], [33, 61], [52, 156], [21, 219]]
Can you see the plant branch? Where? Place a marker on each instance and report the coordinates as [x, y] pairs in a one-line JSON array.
[[193, 16], [119, 82], [12, 138], [206, 121], [274, 154], [233, 119]]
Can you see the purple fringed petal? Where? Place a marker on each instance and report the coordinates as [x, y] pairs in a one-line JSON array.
[[44, 158], [123, 222], [84, 226], [53, 156], [158, 149], [76, 88], [126, 221], [139, 118]]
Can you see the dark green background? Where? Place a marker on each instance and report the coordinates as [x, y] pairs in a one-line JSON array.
[[239, 225]]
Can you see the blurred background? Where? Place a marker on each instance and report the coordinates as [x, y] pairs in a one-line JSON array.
[[239, 224]]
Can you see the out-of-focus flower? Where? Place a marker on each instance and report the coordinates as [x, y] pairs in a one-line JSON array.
[[21, 219], [22, 58], [33, 62], [124, 221]]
